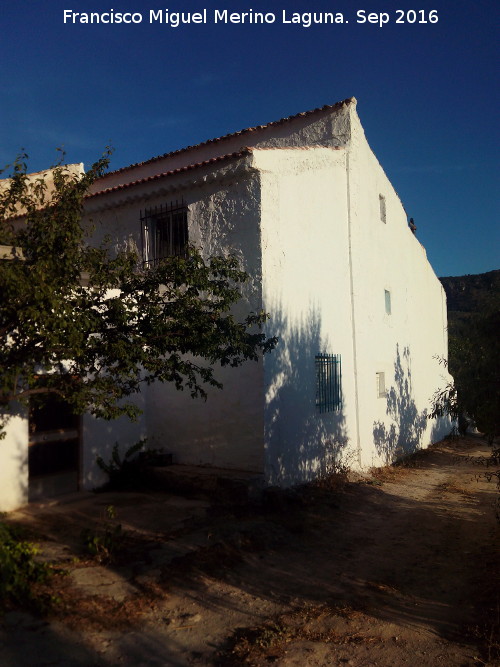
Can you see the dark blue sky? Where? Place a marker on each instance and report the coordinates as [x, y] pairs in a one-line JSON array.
[[427, 95]]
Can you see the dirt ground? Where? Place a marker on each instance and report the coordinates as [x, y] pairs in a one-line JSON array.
[[399, 567]]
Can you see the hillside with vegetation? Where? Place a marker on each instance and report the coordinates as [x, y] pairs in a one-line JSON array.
[[470, 295], [474, 352]]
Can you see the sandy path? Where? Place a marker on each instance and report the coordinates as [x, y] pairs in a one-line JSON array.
[[397, 569]]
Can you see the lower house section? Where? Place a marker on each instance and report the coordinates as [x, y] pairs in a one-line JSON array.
[[99, 438], [53, 464], [284, 436], [225, 431]]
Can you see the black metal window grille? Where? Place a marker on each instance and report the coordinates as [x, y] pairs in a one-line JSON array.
[[328, 382], [164, 232]]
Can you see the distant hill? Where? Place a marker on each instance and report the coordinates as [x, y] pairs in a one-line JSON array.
[[469, 295]]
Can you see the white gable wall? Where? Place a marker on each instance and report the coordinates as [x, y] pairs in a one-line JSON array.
[[387, 256]]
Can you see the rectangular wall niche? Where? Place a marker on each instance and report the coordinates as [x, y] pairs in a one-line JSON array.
[[381, 393], [383, 214], [387, 296]]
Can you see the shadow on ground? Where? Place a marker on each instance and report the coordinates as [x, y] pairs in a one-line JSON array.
[[408, 548]]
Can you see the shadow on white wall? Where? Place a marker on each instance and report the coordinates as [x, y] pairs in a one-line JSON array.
[[301, 443]]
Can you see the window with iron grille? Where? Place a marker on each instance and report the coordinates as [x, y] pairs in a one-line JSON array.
[[164, 232], [328, 382]]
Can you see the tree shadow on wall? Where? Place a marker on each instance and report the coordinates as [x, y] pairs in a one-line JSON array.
[[403, 436], [301, 443]]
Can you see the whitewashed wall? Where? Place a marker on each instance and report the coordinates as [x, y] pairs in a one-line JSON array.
[[387, 256], [227, 429], [224, 210], [98, 439], [14, 464], [305, 266]]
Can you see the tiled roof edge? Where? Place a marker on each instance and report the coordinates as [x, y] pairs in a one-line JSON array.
[[179, 170], [326, 107]]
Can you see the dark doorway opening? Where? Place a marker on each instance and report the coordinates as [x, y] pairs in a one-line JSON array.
[[54, 447]]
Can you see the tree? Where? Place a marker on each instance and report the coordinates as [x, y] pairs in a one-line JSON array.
[[96, 345], [474, 362]]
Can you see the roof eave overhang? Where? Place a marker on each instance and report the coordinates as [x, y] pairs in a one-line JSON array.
[[223, 169]]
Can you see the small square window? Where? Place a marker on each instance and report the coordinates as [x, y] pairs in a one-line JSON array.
[[328, 382], [381, 393], [383, 215], [387, 301]]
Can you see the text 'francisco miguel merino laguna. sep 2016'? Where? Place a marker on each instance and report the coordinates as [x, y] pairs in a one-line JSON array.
[[251, 17]]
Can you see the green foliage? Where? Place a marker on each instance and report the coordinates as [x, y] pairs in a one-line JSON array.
[[97, 344], [104, 542], [19, 570], [466, 296], [474, 362], [445, 400], [122, 473]]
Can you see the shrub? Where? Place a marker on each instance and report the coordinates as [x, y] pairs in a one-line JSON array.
[[123, 472], [19, 570], [104, 542]]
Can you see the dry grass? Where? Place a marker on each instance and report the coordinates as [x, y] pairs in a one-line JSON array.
[[402, 467], [98, 612], [379, 476], [269, 641], [334, 482], [455, 487]]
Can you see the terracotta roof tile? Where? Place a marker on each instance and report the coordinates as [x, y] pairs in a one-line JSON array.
[[196, 165], [326, 107]]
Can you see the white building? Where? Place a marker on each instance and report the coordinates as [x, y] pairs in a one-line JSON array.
[[360, 314]]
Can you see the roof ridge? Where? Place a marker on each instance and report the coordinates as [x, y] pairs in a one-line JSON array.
[[326, 107]]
